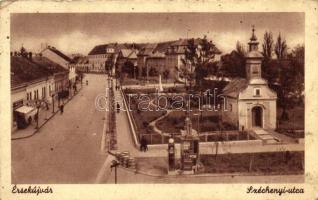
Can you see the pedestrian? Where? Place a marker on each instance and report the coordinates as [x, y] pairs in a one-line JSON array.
[[142, 143], [118, 108], [62, 108], [36, 117], [47, 105]]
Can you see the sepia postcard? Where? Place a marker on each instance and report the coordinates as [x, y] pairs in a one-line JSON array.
[[158, 99]]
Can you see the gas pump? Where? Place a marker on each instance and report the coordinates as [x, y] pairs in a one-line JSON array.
[[171, 156]]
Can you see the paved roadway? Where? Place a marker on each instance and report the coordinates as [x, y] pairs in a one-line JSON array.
[[67, 148]]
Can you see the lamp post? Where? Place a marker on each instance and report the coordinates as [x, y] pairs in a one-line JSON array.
[[53, 102], [108, 79], [198, 122], [115, 164], [37, 114]]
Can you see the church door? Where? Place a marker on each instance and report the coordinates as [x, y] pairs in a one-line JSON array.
[[257, 117]]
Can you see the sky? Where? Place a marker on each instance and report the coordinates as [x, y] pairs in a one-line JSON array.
[[80, 32]]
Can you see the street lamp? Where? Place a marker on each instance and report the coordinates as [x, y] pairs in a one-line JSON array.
[[115, 164], [53, 102], [37, 114], [198, 121], [108, 79]]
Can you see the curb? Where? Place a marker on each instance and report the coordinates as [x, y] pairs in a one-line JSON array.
[[37, 130], [205, 174]]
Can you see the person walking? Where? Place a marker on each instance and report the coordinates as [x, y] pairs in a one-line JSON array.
[[62, 108]]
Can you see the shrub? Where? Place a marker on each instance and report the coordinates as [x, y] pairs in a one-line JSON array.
[[145, 124]]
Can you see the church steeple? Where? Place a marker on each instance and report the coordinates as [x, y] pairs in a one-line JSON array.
[[253, 58], [253, 44]]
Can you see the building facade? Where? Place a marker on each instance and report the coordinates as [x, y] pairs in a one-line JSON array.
[[61, 59], [34, 80]]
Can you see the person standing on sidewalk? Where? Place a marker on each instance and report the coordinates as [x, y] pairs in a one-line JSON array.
[[118, 108], [143, 144]]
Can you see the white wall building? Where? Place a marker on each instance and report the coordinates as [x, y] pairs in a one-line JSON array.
[[250, 102], [58, 57]]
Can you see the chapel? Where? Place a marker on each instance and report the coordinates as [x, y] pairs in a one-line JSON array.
[[250, 103]]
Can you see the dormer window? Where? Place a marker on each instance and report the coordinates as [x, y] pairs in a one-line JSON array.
[[257, 92]]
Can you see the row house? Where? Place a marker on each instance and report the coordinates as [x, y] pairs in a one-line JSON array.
[[104, 58], [81, 64], [34, 79], [142, 56], [166, 56], [63, 60], [126, 55]]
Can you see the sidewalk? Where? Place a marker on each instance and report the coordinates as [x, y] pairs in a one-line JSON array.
[[44, 116]]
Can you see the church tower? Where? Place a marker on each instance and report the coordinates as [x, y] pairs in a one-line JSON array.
[[253, 59]]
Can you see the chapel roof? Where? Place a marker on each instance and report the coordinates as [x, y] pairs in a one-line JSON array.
[[234, 88]]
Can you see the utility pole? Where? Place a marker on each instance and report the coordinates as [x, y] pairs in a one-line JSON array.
[[37, 114], [115, 164], [53, 102]]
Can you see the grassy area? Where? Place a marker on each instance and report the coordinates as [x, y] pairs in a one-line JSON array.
[[263, 163], [174, 122], [295, 121], [227, 136], [142, 118]]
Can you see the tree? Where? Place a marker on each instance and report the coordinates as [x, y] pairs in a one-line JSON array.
[[166, 74], [197, 56], [233, 65], [280, 47], [240, 49], [128, 68], [267, 45], [23, 52]]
